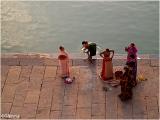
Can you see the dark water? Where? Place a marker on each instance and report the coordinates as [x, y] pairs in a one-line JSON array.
[[43, 26]]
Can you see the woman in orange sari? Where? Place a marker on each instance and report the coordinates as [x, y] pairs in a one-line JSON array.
[[107, 67], [64, 63]]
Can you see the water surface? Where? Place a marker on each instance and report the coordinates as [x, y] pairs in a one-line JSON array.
[[43, 26]]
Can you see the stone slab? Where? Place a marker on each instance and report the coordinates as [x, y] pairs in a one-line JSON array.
[[37, 72], [43, 113], [50, 72], [13, 74], [68, 111], [29, 111], [32, 97], [98, 110], [18, 100], [83, 113], [8, 93], [45, 100], [55, 114], [6, 108]]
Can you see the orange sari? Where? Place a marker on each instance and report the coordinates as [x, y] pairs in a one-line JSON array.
[[64, 64], [107, 69]]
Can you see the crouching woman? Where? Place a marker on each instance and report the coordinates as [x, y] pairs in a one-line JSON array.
[[126, 84]]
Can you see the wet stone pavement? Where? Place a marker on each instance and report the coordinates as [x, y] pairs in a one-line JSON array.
[[34, 90]]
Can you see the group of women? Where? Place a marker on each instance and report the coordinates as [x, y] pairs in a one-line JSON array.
[[128, 78]]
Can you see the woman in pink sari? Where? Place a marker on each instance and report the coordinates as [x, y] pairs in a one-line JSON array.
[[107, 66], [132, 50], [64, 62], [132, 60]]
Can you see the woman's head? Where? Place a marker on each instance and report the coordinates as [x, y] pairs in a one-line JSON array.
[[61, 48], [126, 68], [107, 50], [85, 44], [132, 45]]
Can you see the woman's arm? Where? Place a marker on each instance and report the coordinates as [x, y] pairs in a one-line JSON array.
[[126, 49], [112, 53], [101, 54]]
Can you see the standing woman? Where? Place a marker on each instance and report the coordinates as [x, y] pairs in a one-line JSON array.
[[107, 67], [132, 51], [132, 59], [64, 62]]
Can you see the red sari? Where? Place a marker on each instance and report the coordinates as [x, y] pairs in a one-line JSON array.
[[107, 69]]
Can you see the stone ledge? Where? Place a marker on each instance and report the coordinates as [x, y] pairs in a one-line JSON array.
[[72, 55], [41, 59]]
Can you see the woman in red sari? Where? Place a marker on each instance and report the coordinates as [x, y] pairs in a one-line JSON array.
[[64, 62], [107, 67]]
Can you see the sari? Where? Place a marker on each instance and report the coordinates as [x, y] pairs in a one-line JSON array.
[[133, 51], [107, 69], [64, 64], [126, 86], [133, 65]]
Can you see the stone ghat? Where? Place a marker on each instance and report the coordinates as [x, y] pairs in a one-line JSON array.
[[41, 59], [31, 88]]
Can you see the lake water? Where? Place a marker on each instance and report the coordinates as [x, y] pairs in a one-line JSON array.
[[44, 26]]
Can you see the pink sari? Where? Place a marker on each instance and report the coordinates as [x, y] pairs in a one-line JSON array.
[[64, 64], [131, 50]]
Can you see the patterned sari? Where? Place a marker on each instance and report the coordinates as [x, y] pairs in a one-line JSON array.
[[133, 51]]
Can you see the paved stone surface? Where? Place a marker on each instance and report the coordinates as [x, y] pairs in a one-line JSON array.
[[83, 113], [37, 91]]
